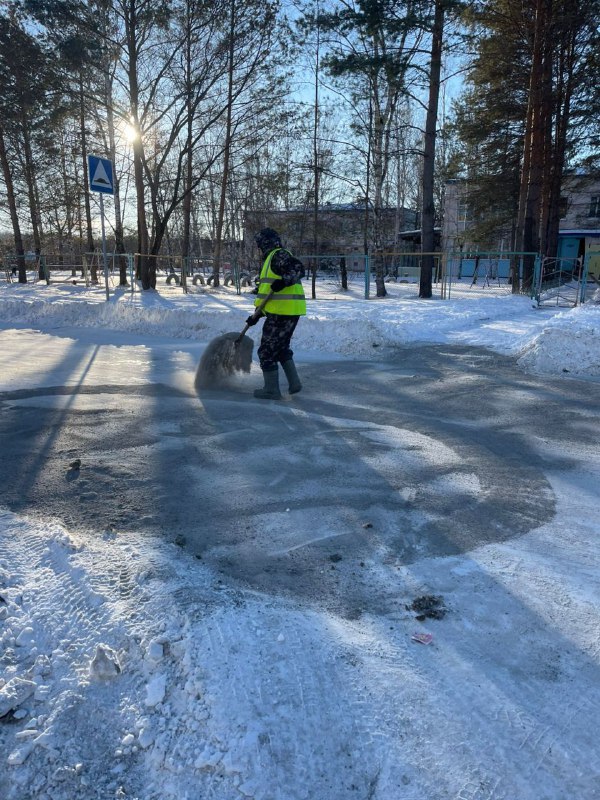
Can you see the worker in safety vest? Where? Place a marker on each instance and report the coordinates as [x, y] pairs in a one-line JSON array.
[[281, 274]]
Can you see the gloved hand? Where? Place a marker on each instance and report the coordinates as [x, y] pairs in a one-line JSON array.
[[252, 319], [277, 285]]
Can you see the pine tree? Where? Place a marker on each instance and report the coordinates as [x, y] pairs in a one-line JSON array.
[[373, 45], [30, 104], [532, 76]]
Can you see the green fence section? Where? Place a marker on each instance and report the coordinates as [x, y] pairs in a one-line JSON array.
[[86, 268], [193, 271], [562, 280], [486, 267]]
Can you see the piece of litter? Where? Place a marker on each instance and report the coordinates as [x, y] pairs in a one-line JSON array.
[[422, 638], [428, 606]]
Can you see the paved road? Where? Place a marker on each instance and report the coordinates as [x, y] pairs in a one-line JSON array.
[[426, 451]]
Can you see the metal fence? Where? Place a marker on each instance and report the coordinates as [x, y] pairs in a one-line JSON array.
[[84, 269], [484, 268], [559, 281]]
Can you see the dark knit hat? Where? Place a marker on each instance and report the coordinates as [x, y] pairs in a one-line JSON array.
[[267, 240]]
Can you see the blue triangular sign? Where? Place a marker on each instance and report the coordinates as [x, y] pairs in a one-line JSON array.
[[100, 172]]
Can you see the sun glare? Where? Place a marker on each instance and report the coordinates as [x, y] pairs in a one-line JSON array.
[[130, 132]]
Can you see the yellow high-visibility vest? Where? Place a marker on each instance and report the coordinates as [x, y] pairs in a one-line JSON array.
[[289, 301]]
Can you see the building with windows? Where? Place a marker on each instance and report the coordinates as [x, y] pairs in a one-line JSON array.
[[340, 231], [579, 229], [456, 219], [579, 233]]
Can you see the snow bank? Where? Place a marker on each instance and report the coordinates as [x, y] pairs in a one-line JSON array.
[[549, 340], [569, 344]]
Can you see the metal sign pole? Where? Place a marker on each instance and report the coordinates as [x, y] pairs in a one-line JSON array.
[[101, 180], [104, 259]]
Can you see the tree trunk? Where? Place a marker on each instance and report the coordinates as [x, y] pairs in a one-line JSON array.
[[226, 150], [428, 205], [86, 185], [31, 192], [343, 273], [147, 271], [12, 207], [531, 187], [110, 125], [188, 177], [186, 243], [315, 245], [563, 110], [377, 126], [549, 104], [68, 202], [187, 198]]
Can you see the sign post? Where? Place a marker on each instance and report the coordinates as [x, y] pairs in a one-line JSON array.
[[100, 172]]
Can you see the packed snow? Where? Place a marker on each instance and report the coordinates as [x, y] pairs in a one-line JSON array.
[[129, 669]]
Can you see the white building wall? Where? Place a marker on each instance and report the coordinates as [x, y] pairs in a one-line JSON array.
[[581, 198]]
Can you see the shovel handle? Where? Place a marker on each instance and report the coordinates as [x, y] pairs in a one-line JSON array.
[[259, 308]]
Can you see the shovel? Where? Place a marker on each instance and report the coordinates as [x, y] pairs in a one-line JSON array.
[[228, 353], [256, 314]]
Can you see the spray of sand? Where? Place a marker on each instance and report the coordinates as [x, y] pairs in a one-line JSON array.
[[224, 356]]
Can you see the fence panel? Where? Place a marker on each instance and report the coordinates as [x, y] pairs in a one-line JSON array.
[[560, 281]]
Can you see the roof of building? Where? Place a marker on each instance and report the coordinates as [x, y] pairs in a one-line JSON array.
[[329, 207], [580, 232], [415, 232]]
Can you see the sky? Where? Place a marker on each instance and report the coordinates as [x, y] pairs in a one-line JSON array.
[[130, 669]]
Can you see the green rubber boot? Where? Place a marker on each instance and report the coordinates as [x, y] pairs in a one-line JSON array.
[[290, 373], [270, 390]]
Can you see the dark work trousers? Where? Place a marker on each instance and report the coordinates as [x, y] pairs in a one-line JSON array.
[[274, 347]]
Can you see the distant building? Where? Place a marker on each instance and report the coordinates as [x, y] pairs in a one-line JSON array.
[[341, 229], [457, 217], [579, 228], [579, 231]]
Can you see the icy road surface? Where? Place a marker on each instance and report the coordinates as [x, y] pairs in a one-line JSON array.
[[227, 605]]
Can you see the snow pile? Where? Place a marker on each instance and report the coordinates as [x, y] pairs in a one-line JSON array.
[[124, 315], [569, 344], [99, 651], [340, 323]]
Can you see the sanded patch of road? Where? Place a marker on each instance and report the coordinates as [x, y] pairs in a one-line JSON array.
[[426, 451]]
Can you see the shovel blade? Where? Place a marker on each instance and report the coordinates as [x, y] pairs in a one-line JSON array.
[[224, 356]]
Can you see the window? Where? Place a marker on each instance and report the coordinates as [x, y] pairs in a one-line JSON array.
[[595, 206], [563, 205], [463, 214]]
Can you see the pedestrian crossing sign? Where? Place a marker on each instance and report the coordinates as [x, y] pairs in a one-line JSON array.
[[100, 171]]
